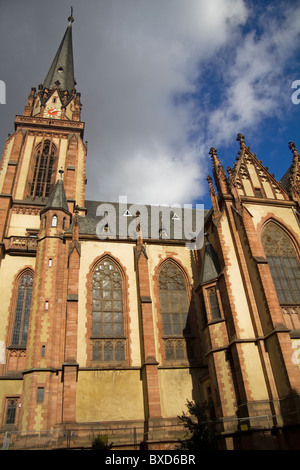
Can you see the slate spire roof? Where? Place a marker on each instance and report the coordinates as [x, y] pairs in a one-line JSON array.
[[62, 67], [57, 198], [211, 266]]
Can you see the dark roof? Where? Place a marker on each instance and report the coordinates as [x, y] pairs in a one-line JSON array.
[[210, 266], [157, 222], [57, 198], [62, 67]]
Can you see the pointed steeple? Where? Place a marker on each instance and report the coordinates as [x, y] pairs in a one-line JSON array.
[[291, 179], [57, 198], [62, 67], [218, 172]]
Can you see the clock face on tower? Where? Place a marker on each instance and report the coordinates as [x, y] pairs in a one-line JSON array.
[[52, 111]]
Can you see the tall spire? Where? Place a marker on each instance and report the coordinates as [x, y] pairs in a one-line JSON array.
[[62, 67]]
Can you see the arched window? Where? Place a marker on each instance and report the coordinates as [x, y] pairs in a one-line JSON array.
[[108, 340], [214, 303], [283, 262], [174, 307], [54, 221], [22, 310], [43, 170], [11, 411]]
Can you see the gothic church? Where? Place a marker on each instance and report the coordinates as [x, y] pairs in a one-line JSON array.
[[112, 334]]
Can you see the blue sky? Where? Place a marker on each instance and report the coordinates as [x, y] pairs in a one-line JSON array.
[[162, 81]]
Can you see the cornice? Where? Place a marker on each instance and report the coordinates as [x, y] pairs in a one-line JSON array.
[[57, 124]]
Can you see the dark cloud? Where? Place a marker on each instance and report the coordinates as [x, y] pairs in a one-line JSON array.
[[131, 59]]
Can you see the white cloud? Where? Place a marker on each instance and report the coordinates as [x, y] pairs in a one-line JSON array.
[[224, 61], [255, 86], [149, 52]]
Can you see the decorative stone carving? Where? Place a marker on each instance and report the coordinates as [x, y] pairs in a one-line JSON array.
[[276, 242]]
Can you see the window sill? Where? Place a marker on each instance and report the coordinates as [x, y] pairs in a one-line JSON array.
[[109, 365], [181, 365]]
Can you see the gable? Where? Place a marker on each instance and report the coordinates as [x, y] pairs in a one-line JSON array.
[[253, 179]]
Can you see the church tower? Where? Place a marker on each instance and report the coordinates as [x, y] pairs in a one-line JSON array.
[[111, 319], [42, 191], [47, 138]]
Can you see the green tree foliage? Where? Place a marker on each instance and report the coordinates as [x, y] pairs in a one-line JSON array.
[[201, 432], [101, 443]]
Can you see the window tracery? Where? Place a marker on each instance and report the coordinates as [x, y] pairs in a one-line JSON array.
[[11, 410], [108, 341], [22, 311], [43, 170], [174, 307], [283, 262]]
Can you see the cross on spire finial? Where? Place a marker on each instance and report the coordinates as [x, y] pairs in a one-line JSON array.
[[71, 19], [240, 138], [292, 147]]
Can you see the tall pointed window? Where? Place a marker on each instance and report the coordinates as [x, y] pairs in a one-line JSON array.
[[22, 310], [43, 170], [283, 262], [11, 411], [108, 340], [174, 306], [214, 303]]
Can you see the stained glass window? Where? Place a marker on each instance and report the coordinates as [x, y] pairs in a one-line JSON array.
[[21, 322], [11, 411], [43, 170], [174, 306], [214, 304], [283, 262], [107, 313]]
